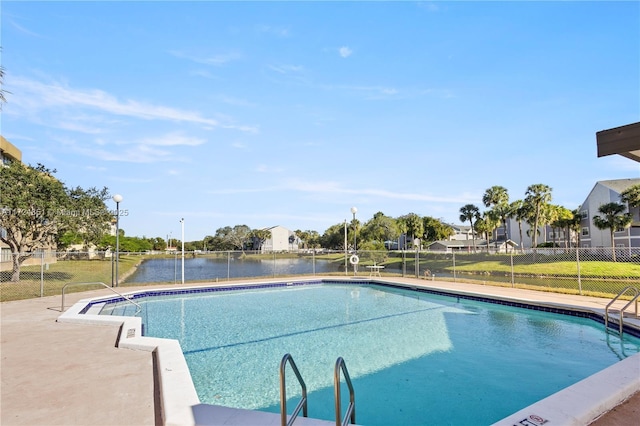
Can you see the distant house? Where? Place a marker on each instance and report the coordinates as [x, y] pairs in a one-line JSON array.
[[450, 246], [608, 191], [461, 232], [281, 239]]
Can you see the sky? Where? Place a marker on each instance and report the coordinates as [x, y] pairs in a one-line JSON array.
[[290, 113]]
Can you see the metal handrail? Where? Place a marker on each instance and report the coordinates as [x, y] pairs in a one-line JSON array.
[[128, 299], [350, 414], [283, 392], [636, 295]]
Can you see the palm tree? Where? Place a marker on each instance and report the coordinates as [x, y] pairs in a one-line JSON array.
[[469, 212], [613, 218], [575, 225], [518, 212], [631, 196], [559, 218], [486, 223], [498, 198], [537, 196]]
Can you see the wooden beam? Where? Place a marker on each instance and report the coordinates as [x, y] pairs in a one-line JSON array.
[[624, 140]]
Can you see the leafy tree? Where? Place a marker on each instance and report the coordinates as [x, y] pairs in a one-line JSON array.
[[333, 237], [413, 224], [613, 218], [37, 209], [228, 238], [259, 237], [90, 218], [380, 228], [310, 238], [537, 196], [435, 229], [158, 243], [470, 212], [497, 198], [631, 196], [375, 251], [239, 236]]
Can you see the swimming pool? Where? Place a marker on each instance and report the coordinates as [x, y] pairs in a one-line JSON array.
[[414, 357]]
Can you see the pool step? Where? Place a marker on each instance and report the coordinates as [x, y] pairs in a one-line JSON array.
[[95, 309]]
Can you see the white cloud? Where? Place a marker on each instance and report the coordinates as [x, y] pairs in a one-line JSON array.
[[345, 52], [172, 139], [33, 96], [336, 188]]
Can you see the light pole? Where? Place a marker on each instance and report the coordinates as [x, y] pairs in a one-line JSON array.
[[354, 210], [117, 198], [345, 247], [182, 222]]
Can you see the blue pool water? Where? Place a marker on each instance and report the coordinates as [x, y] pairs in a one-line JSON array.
[[414, 358]]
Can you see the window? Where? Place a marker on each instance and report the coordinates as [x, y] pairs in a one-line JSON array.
[[585, 231]]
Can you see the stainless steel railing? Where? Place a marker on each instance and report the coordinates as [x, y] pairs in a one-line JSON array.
[[350, 414], [283, 392], [634, 298]]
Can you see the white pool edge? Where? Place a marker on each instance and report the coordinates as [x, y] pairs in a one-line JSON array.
[[579, 404]]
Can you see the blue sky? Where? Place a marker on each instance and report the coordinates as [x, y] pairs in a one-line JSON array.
[[289, 113]]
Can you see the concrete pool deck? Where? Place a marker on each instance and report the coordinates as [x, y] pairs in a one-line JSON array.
[[55, 373]]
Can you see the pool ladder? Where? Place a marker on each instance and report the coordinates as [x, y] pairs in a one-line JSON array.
[[634, 298], [341, 367]]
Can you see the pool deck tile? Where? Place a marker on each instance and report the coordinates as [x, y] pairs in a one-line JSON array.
[[55, 373]]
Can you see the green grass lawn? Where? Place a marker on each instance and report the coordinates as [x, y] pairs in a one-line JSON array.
[[57, 274]]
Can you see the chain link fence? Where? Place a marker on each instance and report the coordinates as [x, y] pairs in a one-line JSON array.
[[582, 271]]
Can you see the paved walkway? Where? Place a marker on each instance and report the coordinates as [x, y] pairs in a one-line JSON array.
[[69, 374]]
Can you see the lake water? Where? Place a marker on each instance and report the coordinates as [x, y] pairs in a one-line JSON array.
[[206, 268]]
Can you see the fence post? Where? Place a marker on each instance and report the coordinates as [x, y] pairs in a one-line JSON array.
[[417, 268], [274, 264], [42, 273], [512, 272], [578, 265], [404, 264], [228, 265], [454, 266]]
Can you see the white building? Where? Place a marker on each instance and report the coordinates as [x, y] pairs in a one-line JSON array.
[[281, 239], [608, 191]]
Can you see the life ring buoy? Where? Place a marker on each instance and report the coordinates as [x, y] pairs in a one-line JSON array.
[[354, 259]]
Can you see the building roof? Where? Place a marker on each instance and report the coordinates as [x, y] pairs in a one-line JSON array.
[[623, 140], [459, 243], [8, 150], [460, 228], [619, 185]]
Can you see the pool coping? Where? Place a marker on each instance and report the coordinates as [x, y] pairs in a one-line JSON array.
[[580, 403]]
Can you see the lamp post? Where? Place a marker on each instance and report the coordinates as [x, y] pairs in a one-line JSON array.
[[117, 198], [354, 210], [345, 247], [182, 222]]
